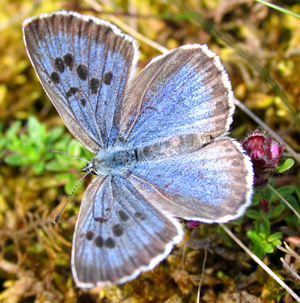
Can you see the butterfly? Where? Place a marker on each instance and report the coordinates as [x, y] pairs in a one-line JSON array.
[[160, 140]]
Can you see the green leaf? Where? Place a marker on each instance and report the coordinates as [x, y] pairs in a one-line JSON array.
[[64, 176], [63, 143], [272, 183], [2, 144], [256, 198], [284, 164], [267, 247], [294, 202], [74, 148], [238, 221], [30, 151], [297, 190], [36, 139], [13, 143], [17, 160], [71, 184], [276, 242], [253, 214], [265, 193], [274, 237], [34, 127], [85, 154], [13, 129], [263, 228], [253, 236], [277, 211], [292, 219], [55, 166], [258, 251], [284, 191], [39, 168], [53, 135]]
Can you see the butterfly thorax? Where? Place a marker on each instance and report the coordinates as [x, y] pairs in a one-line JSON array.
[[112, 161]]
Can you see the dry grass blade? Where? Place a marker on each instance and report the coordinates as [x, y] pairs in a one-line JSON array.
[[289, 250], [202, 275], [290, 269]]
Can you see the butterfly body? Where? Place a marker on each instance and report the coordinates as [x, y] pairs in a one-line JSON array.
[[113, 161], [160, 141]]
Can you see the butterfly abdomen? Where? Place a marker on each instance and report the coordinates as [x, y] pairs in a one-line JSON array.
[[172, 147]]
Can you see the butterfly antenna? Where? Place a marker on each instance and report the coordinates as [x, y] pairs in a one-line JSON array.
[[64, 153], [62, 209]]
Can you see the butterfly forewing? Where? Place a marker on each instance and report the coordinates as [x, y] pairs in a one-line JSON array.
[[84, 65], [185, 91], [129, 236]]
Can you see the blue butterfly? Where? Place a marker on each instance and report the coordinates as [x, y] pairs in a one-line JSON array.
[[160, 141]]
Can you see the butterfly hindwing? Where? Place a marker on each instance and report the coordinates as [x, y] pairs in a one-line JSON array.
[[127, 236], [84, 65], [211, 184]]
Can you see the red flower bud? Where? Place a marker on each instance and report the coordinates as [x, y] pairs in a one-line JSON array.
[[265, 154], [191, 224]]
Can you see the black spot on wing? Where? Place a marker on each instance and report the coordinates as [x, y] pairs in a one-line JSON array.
[[69, 60], [123, 216], [71, 92], [55, 77], [139, 216], [94, 84], [118, 230], [89, 235], [107, 78], [109, 242], [99, 241], [101, 220], [83, 102], [82, 71], [59, 65]]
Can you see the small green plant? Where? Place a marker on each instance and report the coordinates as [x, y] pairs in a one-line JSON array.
[[273, 211], [263, 240], [21, 146]]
